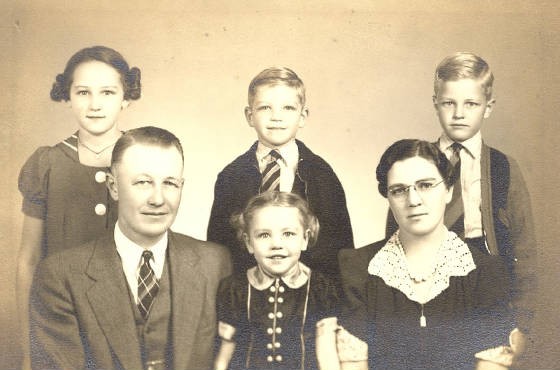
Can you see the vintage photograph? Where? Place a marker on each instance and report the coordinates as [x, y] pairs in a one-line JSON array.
[[280, 185]]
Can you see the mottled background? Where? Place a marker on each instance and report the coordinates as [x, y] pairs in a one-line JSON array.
[[367, 66]]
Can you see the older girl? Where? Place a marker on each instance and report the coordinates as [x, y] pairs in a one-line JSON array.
[[65, 201]]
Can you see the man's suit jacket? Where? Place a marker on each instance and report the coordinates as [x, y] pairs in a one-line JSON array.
[[81, 313]]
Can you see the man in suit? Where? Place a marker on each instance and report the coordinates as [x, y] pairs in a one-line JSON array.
[[141, 296]]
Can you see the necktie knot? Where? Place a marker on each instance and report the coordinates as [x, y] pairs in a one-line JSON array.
[[148, 285], [274, 155], [455, 156], [271, 173], [456, 147], [147, 256]]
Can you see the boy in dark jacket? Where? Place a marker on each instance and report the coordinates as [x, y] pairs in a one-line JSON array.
[[279, 162]]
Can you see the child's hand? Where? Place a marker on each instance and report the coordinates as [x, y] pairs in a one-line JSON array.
[[349, 347]]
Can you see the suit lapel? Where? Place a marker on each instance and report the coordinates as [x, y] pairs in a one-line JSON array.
[[187, 298], [110, 301]]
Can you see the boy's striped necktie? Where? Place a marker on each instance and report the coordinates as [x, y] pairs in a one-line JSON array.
[[271, 173]]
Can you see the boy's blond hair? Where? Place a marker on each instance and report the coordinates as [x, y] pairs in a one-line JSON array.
[[464, 65], [277, 76]]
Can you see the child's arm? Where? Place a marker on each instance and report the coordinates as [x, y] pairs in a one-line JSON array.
[[224, 355], [337, 349], [325, 342], [28, 258]]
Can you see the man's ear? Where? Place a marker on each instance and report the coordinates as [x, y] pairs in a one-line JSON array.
[[248, 244], [111, 183], [249, 115]]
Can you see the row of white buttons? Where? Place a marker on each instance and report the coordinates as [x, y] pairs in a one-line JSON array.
[[100, 209], [273, 316]]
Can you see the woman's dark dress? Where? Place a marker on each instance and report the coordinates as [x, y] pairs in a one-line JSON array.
[[469, 316]]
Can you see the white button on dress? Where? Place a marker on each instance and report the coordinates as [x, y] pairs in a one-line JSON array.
[[100, 209]]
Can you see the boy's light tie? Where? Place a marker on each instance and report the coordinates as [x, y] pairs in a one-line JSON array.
[[271, 173], [148, 285]]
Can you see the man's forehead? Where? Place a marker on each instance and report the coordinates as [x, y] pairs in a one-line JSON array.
[[146, 155], [150, 148]]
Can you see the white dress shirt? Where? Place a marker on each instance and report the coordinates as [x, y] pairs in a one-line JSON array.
[[131, 256], [470, 180], [288, 163]]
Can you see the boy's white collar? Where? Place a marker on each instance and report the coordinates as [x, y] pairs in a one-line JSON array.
[[285, 150], [473, 145]]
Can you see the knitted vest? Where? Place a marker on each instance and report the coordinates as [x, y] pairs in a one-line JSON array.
[[153, 333]]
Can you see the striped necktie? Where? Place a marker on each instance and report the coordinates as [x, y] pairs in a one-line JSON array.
[[148, 285], [271, 173]]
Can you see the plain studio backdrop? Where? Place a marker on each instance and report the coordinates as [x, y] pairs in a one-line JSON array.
[[368, 69]]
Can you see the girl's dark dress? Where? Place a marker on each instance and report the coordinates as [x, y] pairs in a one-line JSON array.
[[468, 316], [273, 322], [72, 199]]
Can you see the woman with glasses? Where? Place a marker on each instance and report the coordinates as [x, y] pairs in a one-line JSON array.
[[423, 299]]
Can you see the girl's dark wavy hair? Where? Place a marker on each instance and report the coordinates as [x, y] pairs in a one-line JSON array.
[[408, 148], [130, 77]]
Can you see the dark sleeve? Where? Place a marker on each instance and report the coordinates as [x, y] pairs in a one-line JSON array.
[[518, 217], [327, 295], [353, 316], [33, 183], [219, 228], [54, 331], [492, 318], [328, 201], [231, 304]]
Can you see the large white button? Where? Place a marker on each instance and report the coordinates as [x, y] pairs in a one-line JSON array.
[[279, 315], [281, 289], [100, 176], [271, 299], [269, 358], [278, 330], [270, 315], [269, 331], [279, 358], [280, 300], [100, 209]]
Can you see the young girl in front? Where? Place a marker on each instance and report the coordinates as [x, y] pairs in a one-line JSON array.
[[269, 315], [65, 200]]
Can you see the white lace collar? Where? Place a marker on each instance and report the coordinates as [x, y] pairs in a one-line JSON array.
[[453, 259], [295, 279]]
